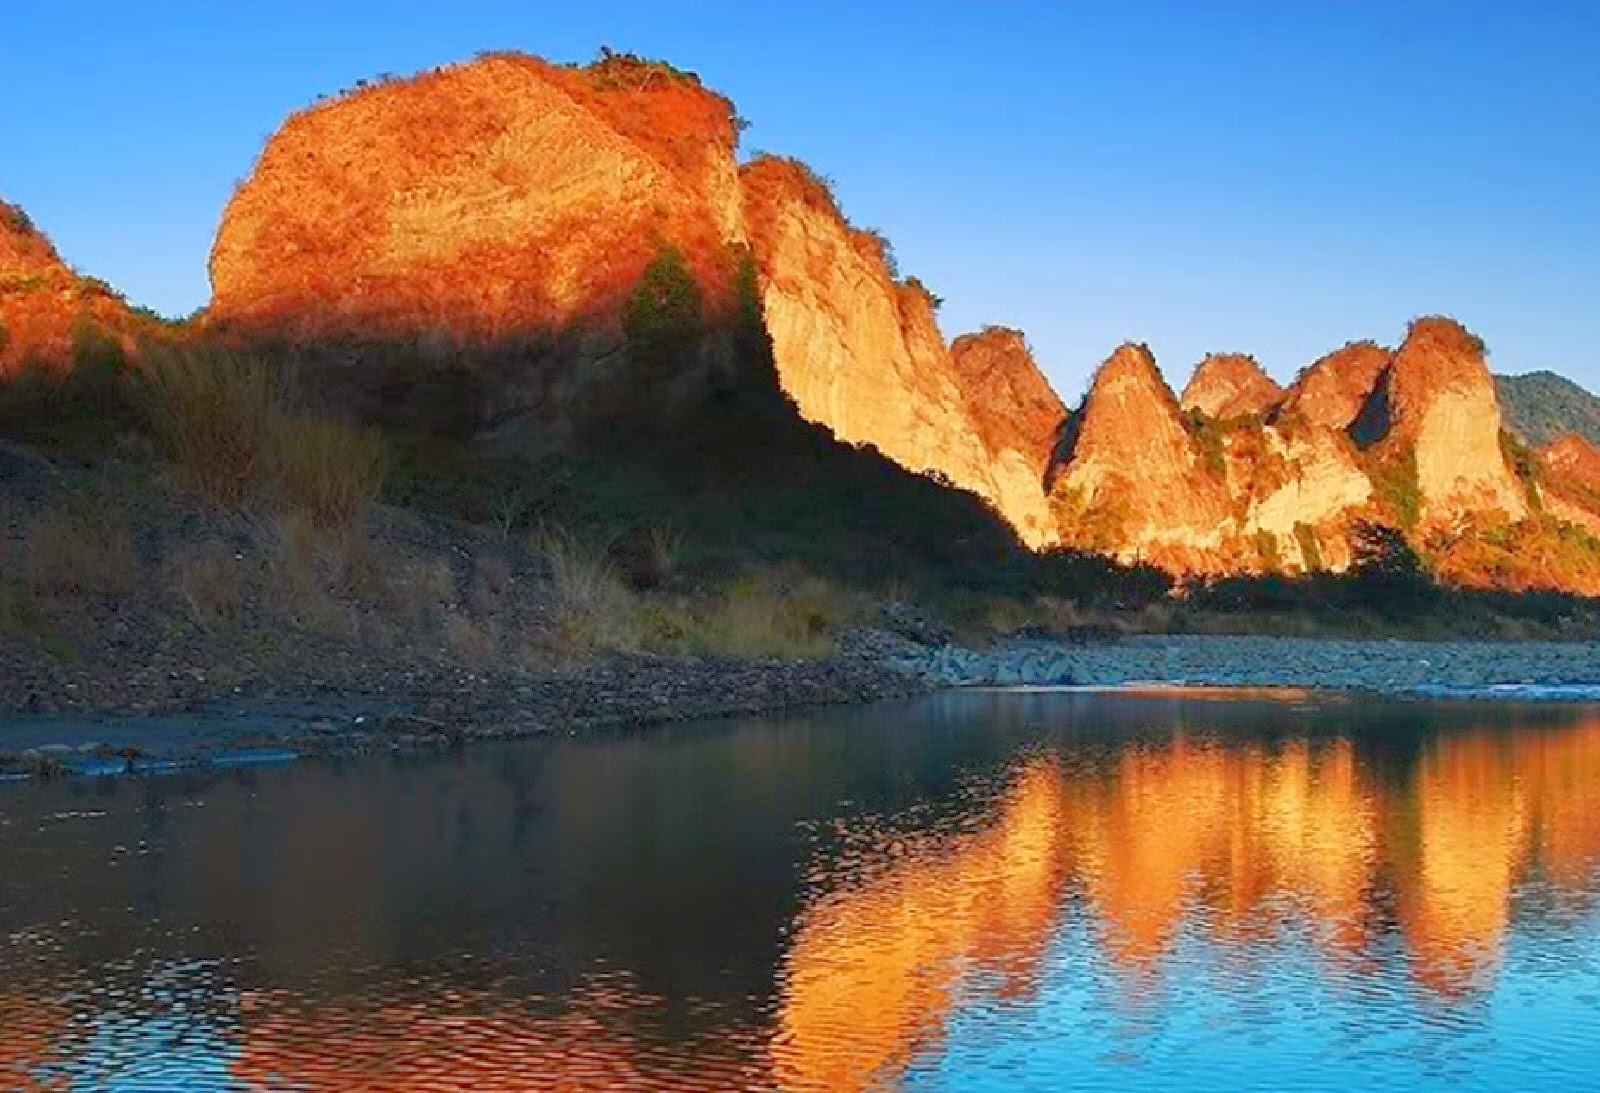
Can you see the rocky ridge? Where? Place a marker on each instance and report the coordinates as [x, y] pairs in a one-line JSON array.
[[517, 204], [47, 311], [1230, 385]]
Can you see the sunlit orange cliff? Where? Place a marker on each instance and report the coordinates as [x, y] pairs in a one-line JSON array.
[[546, 220]]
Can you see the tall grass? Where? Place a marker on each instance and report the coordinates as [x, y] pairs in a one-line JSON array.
[[592, 607], [331, 470], [80, 548], [230, 425], [214, 414]]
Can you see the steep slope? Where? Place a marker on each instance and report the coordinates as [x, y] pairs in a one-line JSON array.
[[479, 201], [48, 312], [1133, 483], [1571, 481], [1228, 385], [545, 214], [857, 350], [1296, 487], [1542, 405], [1434, 413], [1018, 416], [1331, 392]]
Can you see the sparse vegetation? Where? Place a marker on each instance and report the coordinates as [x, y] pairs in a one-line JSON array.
[[662, 317], [1394, 480], [228, 424], [612, 70], [81, 549]]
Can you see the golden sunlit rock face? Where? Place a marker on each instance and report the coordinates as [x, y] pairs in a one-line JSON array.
[[1235, 842], [46, 310], [515, 206], [1229, 385], [1436, 405]]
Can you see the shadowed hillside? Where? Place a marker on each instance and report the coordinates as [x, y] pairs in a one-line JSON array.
[[1543, 405]]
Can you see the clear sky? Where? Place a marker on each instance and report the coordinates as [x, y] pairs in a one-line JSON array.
[[1273, 177]]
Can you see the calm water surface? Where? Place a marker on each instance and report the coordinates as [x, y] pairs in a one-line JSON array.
[[973, 892]]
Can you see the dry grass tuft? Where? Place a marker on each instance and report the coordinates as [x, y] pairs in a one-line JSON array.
[[213, 413], [209, 579], [592, 609], [330, 469], [81, 548], [768, 615], [228, 423]]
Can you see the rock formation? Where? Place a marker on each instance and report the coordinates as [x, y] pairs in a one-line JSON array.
[[1134, 482], [508, 200], [1019, 417], [857, 350], [47, 312], [581, 244], [1435, 409], [1571, 481], [1230, 385], [479, 201]]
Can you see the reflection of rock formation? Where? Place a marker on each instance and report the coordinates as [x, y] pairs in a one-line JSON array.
[[29, 1028], [1243, 844], [875, 968], [1470, 834]]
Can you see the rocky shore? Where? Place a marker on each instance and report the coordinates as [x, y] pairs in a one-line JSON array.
[[438, 710], [1389, 667]]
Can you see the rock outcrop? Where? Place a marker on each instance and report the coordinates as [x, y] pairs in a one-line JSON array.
[[479, 201], [1018, 416], [1331, 392], [48, 312], [1435, 409], [512, 201], [859, 351], [1571, 481], [1230, 385], [1134, 483], [538, 221]]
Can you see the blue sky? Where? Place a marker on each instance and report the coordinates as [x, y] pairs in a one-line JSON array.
[[1272, 177]]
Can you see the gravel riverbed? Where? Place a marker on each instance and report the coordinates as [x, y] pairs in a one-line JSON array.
[[1391, 667], [418, 711]]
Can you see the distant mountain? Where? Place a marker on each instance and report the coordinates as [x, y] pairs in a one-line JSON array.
[[1543, 405]]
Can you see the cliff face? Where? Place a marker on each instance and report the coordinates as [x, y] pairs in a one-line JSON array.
[[1229, 385], [1018, 416], [1571, 486], [1297, 490], [511, 201], [857, 350], [46, 310], [1435, 405], [478, 201], [1331, 392], [1134, 482]]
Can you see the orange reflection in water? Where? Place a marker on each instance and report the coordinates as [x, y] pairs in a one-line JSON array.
[[1237, 843], [873, 967], [29, 1030]]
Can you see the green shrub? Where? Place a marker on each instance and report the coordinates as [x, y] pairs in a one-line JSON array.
[[1395, 480], [1310, 546], [662, 316]]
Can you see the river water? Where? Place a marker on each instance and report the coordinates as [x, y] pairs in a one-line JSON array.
[[975, 891]]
